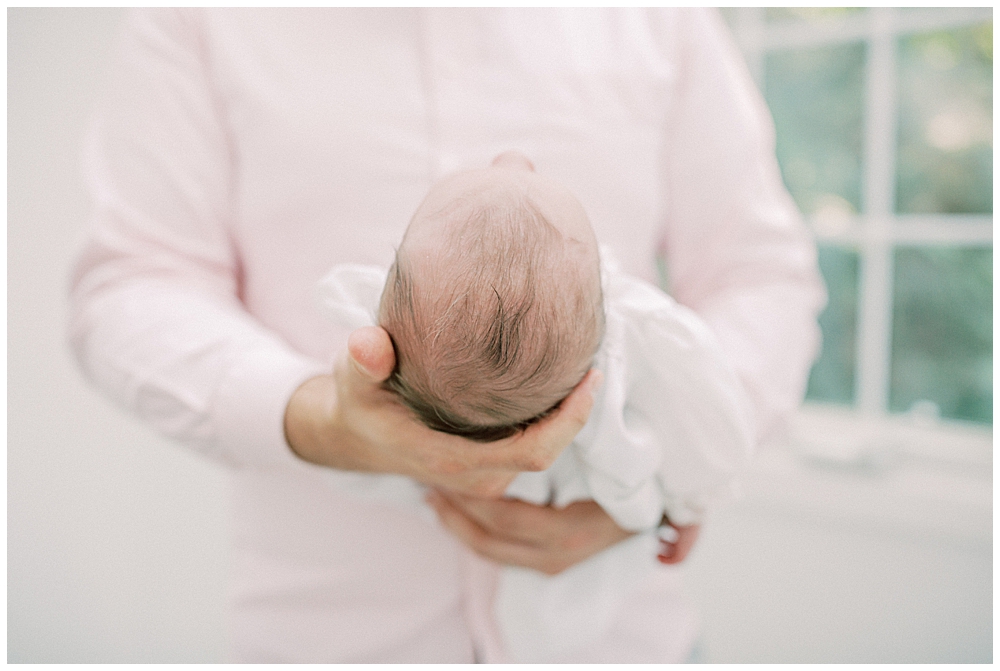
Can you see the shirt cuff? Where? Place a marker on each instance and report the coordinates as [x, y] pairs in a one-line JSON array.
[[251, 403]]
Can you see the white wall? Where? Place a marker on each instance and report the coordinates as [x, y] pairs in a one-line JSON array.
[[882, 558], [115, 537]]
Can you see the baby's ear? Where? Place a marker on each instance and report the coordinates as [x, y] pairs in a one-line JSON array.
[[371, 349]]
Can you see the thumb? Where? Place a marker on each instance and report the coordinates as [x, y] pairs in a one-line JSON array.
[[560, 428], [371, 351], [575, 409]]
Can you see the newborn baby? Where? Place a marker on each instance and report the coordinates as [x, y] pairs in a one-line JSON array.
[[494, 302], [498, 303]]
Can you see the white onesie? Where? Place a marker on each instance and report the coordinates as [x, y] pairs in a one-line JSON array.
[[668, 433]]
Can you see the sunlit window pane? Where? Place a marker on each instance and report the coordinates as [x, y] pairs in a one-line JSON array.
[[942, 344], [816, 97], [832, 377], [945, 160]]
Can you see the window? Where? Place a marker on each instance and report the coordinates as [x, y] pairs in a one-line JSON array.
[[885, 140]]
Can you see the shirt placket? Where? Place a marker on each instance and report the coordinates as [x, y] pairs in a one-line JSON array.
[[450, 62]]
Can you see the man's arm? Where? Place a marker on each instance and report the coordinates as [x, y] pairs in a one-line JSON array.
[[737, 252], [156, 318], [544, 538]]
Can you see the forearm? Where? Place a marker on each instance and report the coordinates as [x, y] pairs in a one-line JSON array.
[[311, 429], [156, 319], [737, 251], [192, 363], [771, 336]]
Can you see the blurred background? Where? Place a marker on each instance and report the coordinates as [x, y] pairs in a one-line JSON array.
[[865, 531]]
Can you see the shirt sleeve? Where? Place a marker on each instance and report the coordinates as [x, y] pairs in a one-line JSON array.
[[156, 319], [736, 249]]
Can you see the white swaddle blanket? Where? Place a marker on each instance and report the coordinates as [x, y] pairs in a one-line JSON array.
[[668, 433]]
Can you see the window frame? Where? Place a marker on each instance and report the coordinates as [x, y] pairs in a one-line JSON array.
[[876, 231]]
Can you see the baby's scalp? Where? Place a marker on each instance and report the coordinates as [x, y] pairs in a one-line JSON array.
[[494, 303]]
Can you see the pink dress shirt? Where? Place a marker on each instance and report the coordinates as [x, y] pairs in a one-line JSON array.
[[238, 155]]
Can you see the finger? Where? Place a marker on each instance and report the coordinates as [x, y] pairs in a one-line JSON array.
[[573, 412], [491, 547], [676, 551], [508, 519], [550, 436], [540, 444], [484, 484], [371, 351], [464, 528], [686, 537]]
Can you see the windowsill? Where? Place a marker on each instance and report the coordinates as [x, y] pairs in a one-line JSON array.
[[893, 475], [844, 436]]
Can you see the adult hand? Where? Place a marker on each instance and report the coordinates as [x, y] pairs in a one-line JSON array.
[[543, 538], [349, 422]]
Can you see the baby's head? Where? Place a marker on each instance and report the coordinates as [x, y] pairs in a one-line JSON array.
[[494, 302]]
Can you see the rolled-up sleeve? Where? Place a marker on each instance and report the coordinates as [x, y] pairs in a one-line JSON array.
[[156, 317], [736, 249]]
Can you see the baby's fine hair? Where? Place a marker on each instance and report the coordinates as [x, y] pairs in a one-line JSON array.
[[496, 327]]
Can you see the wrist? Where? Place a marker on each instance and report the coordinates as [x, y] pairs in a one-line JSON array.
[[310, 426]]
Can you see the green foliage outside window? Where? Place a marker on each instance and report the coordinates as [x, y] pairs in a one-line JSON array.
[[817, 99], [942, 336], [945, 158], [942, 315]]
